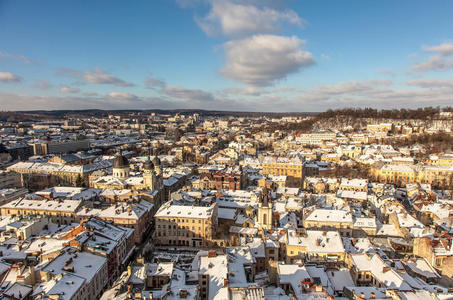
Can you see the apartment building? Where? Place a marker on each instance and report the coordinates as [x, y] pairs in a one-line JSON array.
[[183, 225], [59, 211], [314, 246], [441, 176], [61, 173], [136, 215], [329, 219], [283, 166], [383, 127], [91, 267], [315, 138]]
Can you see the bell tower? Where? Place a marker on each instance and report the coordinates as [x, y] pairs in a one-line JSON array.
[[149, 175], [264, 216]]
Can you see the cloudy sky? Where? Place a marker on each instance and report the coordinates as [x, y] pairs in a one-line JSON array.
[[253, 55]]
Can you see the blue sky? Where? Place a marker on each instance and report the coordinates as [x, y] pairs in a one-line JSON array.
[[254, 55]]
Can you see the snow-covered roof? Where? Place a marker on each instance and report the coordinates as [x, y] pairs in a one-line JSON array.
[[170, 209], [47, 205], [329, 215], [386, 275], [317, 241], [86, 265], [160, 269], [217, 269], [64, 285]]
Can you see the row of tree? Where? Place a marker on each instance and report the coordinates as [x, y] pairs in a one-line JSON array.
[[424, 113]]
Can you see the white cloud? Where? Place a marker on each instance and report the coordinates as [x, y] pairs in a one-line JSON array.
[[434, 63], [69, 90], [437, 62], [261, 60], [122, 96], [10, 101], [352, 87], [16, 57], [69, 72], [188, 94], [369, 93], [343, 88], [431, 83], [443, 49], [238, 20], [248, 91], [98, 75], [9, 77], [154, 83]]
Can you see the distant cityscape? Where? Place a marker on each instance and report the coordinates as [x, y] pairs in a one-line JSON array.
[[344, 204]]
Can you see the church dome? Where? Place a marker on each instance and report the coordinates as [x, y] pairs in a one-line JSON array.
[[148, 165], [120, 161]]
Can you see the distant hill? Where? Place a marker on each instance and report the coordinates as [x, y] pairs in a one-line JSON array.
[[99, 112], [420, 113]]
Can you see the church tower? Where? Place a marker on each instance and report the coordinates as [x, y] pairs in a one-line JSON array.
[[264, 216], [157, 167], [149, 175], [158, 170]]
